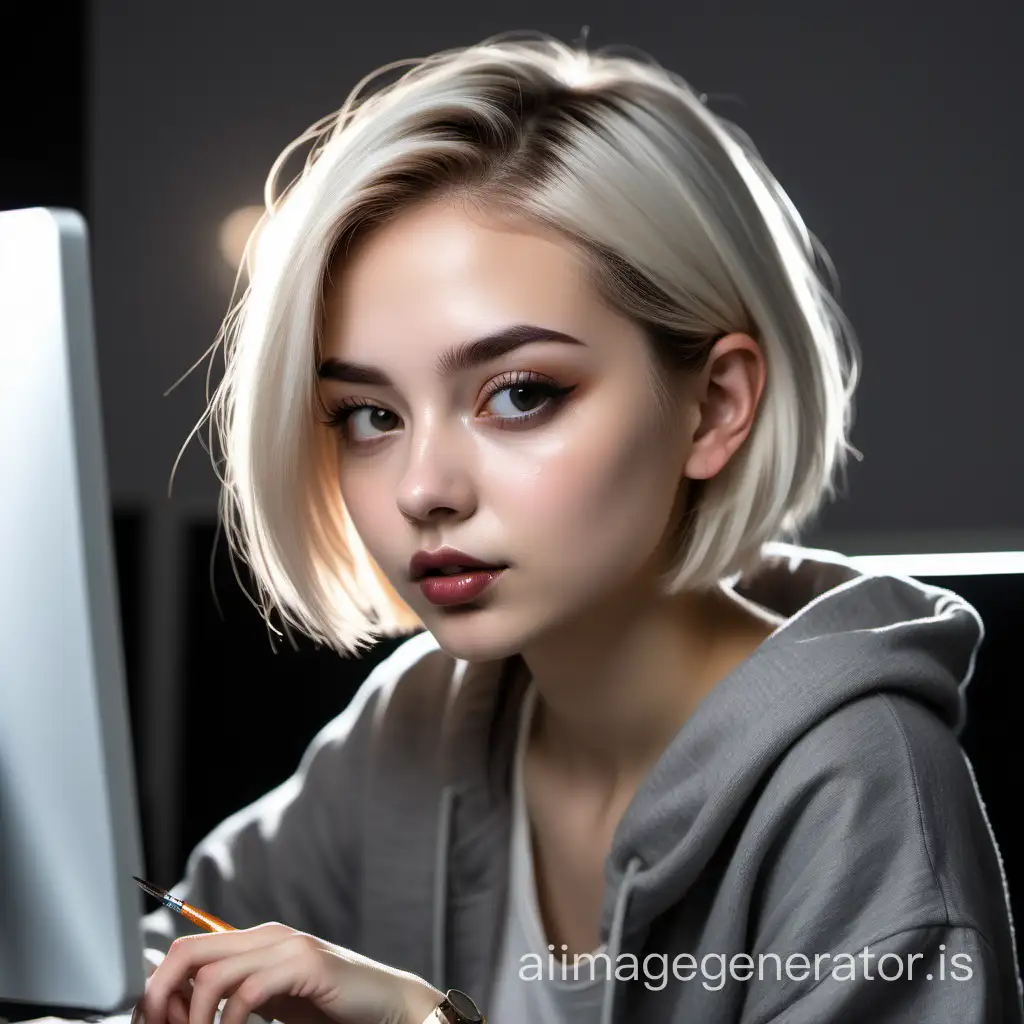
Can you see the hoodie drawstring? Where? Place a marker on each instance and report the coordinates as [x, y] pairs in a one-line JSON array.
[[615, 938], [440, 917]]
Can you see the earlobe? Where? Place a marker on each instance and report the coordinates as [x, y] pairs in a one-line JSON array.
[[706, 462]]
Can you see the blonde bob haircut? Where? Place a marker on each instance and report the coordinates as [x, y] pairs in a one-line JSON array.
[[682, 226]]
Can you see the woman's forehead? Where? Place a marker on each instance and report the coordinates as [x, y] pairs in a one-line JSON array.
[[442, 278], [437, 247]]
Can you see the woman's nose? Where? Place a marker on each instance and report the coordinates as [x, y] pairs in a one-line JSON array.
[[437, 479]]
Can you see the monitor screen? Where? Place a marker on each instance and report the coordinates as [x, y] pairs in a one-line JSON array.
[[69, 834]]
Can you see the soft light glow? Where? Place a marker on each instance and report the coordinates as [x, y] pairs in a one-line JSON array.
[[234, 233], [954, 563]]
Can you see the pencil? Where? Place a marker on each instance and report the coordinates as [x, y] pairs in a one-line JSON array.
[[198, 917]]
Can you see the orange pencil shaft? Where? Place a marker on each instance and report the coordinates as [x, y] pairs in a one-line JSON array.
[[203, 920]]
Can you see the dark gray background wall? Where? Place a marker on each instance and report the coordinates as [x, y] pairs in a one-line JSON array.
[[896, 133]]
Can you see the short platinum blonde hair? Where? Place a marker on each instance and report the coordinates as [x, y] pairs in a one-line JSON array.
[[681, 224]]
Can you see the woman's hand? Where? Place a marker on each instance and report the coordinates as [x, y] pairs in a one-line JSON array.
[[280, 974]]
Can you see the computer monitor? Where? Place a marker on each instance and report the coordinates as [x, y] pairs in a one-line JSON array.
[[69, 832]]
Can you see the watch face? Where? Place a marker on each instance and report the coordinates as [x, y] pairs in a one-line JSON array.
[[464, 1007]]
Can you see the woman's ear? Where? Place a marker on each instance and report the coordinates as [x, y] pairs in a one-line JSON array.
[[727, 394]]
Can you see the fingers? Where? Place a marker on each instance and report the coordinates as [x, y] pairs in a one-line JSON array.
[[177, 1008], [233, 976], [260, 987], [273, 971], [188, 956]]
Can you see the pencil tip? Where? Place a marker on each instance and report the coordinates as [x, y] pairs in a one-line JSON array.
[[151, 889]]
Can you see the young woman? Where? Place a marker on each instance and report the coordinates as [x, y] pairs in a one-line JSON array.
[[537, 354]]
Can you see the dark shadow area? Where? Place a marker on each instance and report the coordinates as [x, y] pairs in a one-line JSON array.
[[130, 540], [249, 712], [43, 80], [995, 711]]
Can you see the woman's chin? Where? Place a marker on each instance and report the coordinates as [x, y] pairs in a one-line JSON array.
[[473, 634]]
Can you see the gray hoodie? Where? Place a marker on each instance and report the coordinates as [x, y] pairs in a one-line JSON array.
[[811, 847]]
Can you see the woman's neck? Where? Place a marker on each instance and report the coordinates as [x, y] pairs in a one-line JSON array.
[[614, 690]]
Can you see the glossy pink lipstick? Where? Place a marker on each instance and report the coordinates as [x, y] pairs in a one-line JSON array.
[[465, 586], [448, 576]]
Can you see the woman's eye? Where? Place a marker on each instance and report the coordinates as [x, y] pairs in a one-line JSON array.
[[521, 401], [513, 401], [365, 422]]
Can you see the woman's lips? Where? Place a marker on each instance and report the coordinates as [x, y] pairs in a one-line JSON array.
[[459, 588]]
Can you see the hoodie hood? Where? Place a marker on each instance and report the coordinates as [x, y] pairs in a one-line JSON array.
[[847, 634]]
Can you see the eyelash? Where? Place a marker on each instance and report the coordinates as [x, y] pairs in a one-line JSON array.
[[511, 379]]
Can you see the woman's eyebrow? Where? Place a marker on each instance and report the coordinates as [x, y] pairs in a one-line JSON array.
[[455, 360]]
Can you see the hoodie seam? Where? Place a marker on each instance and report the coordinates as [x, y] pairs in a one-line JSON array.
[[922, 832], [945, 925]]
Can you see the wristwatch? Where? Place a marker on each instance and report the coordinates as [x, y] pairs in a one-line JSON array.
[[456, 1008]]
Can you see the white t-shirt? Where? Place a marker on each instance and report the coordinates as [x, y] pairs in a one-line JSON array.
[[556, 997]]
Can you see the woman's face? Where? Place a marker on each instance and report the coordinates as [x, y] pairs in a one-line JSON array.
[[548, 458]]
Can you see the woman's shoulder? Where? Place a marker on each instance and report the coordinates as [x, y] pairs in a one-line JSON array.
[[890, 742], [404, 671], [883, 786], [410, 683], [420, 695]]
